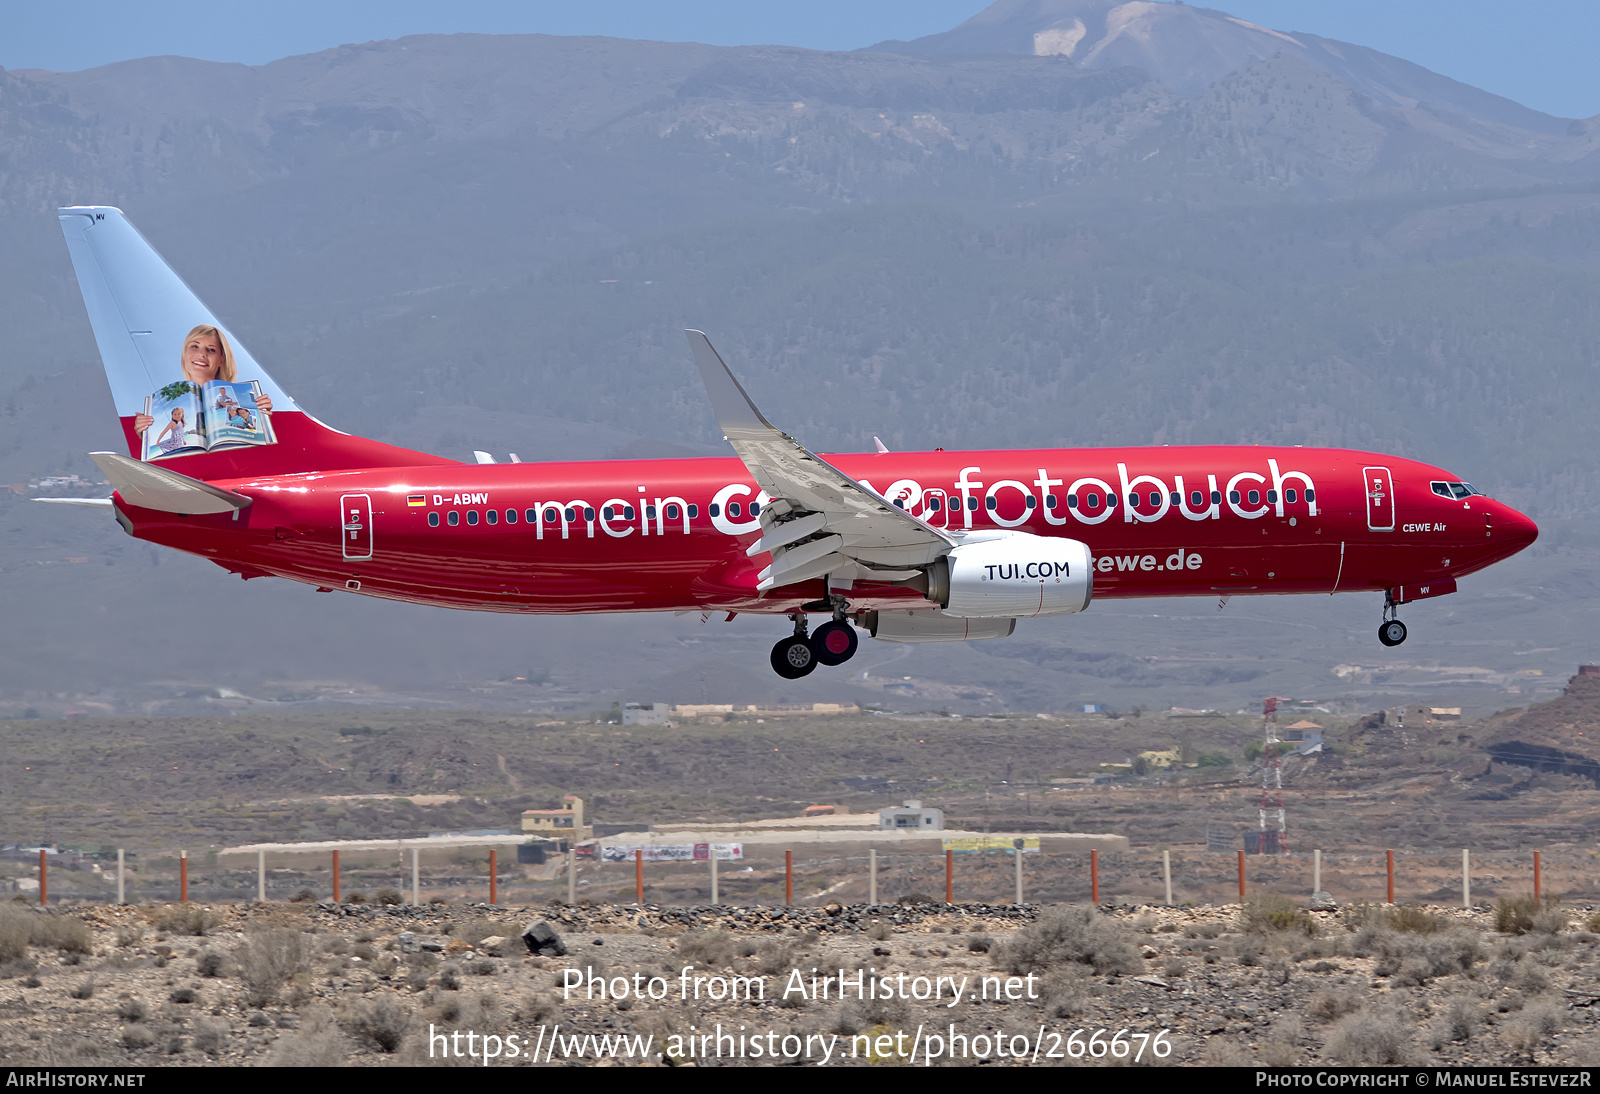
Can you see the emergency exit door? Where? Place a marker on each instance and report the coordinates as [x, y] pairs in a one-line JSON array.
[[1380, 498], [355, 512]]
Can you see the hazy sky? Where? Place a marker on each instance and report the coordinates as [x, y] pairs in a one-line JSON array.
[[1539, 53]]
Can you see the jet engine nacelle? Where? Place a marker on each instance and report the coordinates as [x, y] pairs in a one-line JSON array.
[[1013, 575]]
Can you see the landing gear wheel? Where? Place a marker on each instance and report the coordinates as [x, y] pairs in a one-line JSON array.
[[1392, 632], [834, 643], [793, 658]]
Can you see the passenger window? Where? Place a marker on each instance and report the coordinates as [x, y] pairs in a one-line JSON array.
[[433, 520], [608, 513], [1272, 497], [1111, 501], [1255, 497], [511, 516], [1216, 497], [588, 512], [649, 512], [755, 509], [1311, 495], [627, 512], [972, 504], [1290, 496], [1196, 498], [934, 504], [713, 509], [1032, 503], [532, 515], [1049, 501], [1072, 501], [551, 516], [899, 503], [672, 512], [472, 516], [570, 514], [1155, 499], [990, 504], [1176, 497], [492, 516], [733, 508], [694, 510], [1233, 497], [454, 518]]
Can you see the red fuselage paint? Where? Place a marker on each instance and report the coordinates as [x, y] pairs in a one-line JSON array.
[[1206, 521]]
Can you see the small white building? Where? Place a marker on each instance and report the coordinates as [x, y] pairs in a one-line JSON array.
[[911, 814], [644, 714]]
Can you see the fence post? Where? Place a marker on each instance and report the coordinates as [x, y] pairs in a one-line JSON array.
[[572, 873], [494, 877], [949, 877], [1166, 873], [1466, 879], [183, 877], [788, 877], [1094, 876], [712, 850], [1537, 895], [1316, 871], [1016, 853], [44, 880], [638, 874], [261, 876], [336, 877], [1241, 877], [416, 888], [1389, 859], [122, 892], [872, 875]]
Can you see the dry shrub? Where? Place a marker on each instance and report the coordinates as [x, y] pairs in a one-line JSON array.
[[83, 989], [1371, 1037], [1532, 1028], [210, 1035], [1409, 917], [707, 949], [1458, 1021], [1066, 992], [318, 1043], [131, 1010], [1268, 913], [379, 1023], [188, 919], [538, 1007], [270, 959], [774, 958], [1070, 934], [1527, 915], [62, 932], [138, 1037], [1328, 1005], [388, 895], [16, 926], [1416, 959]]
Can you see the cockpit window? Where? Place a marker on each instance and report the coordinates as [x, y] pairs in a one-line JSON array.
[[1455, 489]]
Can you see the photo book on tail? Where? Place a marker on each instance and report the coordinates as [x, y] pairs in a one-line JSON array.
[[192, 417]]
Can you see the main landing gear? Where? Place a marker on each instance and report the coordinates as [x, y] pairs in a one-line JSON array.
[[1391, 632], [833, 643]]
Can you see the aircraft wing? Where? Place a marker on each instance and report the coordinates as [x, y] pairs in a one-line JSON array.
[[820, 521]]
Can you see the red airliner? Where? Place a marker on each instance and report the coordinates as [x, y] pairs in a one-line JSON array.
[[914, 547]]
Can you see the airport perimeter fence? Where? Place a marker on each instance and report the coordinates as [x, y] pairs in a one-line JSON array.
[[808, 875]]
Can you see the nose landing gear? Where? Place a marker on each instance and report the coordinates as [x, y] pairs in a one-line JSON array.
[[1391, 632]]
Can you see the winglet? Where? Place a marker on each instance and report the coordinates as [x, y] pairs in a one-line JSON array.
[[736, 412], [150, 486]]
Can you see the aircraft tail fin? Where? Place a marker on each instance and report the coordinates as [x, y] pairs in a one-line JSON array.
[[142, 314]]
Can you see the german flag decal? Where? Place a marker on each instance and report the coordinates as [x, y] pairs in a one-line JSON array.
[[415, 500]]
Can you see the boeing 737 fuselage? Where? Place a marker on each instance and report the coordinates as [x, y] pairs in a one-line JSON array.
[[915, 546]]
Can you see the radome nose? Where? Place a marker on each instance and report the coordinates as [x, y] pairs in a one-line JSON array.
[[1514, 528]]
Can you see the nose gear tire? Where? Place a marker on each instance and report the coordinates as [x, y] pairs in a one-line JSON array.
[[1392, 632]]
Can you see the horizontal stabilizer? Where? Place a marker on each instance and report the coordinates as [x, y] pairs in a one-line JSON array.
[[149, 486], [98, 503]]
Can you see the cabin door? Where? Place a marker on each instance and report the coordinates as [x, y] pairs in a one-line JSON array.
[[938, 517], [355, 512], [1380, 498]]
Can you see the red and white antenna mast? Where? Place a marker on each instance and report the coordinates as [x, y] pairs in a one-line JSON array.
[[1274, 824]]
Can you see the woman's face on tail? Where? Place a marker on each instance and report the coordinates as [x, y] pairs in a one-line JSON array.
[[202, 359]]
